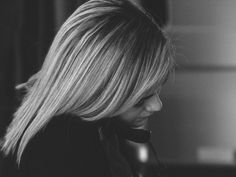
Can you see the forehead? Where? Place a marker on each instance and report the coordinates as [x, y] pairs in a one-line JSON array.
[[157, 86], [153, 89]]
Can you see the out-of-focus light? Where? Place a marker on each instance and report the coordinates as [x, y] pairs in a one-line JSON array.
[[143, 153], [219, 155]]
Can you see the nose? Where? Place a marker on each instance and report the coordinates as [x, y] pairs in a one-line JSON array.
[[154, 104]]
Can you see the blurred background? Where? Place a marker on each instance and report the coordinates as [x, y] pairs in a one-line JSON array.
[[197, 125], [195, 132], [199, 113]]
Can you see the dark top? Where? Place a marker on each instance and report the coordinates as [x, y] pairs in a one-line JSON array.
[[70, 147]]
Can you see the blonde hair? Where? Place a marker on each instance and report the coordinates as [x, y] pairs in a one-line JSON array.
[[104, 58]]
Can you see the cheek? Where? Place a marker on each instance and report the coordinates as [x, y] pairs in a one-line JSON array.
[[131, 114]]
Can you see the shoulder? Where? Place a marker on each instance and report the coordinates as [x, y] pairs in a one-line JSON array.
[[59, 135], [45, 153], [60, 132], [53, 135], [66, 145]]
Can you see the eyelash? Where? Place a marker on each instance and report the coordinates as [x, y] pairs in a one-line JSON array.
[[147, 97], [144, 99]]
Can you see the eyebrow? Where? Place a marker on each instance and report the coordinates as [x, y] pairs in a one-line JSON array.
[[149, 96], [145, 98]]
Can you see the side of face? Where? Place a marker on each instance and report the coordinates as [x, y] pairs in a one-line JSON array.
[[137, 116]]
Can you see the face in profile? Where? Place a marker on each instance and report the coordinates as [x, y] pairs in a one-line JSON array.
[[137, 116]]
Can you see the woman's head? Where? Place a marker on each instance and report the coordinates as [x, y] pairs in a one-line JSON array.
[[107, 56]]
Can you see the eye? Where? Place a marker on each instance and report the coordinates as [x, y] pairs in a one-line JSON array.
[[147, 97], [156, 92], [140, 103]]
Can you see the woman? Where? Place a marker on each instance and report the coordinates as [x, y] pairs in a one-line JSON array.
[[98, 85]]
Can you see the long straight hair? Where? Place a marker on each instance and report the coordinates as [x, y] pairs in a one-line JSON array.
[[106, 56]]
